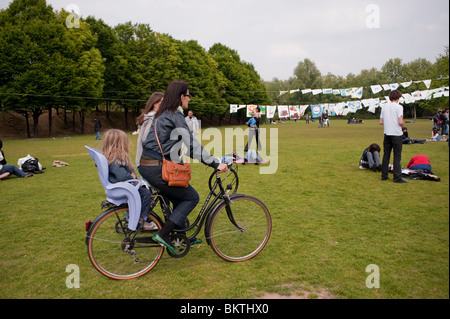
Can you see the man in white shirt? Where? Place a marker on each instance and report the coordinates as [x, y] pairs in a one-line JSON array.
[[392, 119], [192, 123]]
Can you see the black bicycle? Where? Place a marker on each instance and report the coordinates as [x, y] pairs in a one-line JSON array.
[[236, 226]]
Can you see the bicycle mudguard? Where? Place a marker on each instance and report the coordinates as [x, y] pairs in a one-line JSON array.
[[156, 216], [208, 220]]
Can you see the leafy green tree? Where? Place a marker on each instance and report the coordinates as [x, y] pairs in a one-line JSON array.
[[206, 81], [243, 83], [439, 72], [44, 61], [88, 66], [306, 76], [30, 40]]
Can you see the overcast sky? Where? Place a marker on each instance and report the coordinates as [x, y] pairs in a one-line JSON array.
[[338, 36]]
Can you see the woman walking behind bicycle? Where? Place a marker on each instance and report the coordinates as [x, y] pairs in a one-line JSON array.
[[145, 120], [173, 131]]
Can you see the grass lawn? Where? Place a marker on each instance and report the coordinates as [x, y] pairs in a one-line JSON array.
[[330, 221]]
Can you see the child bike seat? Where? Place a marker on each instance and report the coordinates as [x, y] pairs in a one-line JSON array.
[[118, 193]]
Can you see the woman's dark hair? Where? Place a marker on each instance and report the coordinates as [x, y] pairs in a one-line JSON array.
[[154, 98], [374, 148], [395, 95], [172, 97]]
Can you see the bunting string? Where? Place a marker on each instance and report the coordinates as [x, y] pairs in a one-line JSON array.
[[342, 108]]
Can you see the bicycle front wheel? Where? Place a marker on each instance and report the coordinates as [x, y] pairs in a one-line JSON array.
[[119, 253], [240, 230], [230, 181]]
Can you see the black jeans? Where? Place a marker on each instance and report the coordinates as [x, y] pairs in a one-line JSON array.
[[184, 199], [390, 143]]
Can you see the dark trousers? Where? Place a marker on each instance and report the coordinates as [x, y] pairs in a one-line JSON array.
[[146, 200], [392, 143], [184, 199]]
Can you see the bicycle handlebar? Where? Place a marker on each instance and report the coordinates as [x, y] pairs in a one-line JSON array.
[[228, 165]]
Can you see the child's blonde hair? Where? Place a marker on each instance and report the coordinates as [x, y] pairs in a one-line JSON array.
[[116, 147]]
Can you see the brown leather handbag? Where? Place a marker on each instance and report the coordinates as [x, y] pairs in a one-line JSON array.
[[174, 174]]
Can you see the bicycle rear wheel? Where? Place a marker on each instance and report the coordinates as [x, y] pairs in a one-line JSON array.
[[240, 230], [119, 253]]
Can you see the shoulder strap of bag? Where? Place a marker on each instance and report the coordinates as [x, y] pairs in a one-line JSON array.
[[157, 139]]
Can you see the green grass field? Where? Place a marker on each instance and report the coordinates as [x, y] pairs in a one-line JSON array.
[[330, 221]]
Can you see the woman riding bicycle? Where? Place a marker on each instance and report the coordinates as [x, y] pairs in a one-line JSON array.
[[172, 133]]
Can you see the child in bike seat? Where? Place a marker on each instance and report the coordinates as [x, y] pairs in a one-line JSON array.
[[116, 148]]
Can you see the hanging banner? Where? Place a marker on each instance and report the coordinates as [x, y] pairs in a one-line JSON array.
[[316, 110], [339, 108], [354, 106], [331, 110], [283, 111], [233, 108], [303, 109], [270, 111], [408, 98], [263, 109], [394, 86], [345, 92], [406, 84], [356, 93], [250, 109], [417, 95], [376, 88], [294, 111]]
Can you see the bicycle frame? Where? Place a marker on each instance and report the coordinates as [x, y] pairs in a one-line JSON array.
[[205, 211]]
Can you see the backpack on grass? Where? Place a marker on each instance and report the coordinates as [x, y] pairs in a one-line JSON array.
[[30, 165]]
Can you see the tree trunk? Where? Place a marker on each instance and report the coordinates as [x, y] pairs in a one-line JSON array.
[[28, 125], [82, 121], [108, 104], [73, 120], [50, 124], [35, 124], [126, 117]]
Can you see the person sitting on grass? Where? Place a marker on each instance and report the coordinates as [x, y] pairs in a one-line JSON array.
[[435, 135], [371, 158], [408, 140], [6, 170], [421, 162]]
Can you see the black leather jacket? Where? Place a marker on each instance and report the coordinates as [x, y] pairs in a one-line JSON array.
[[172, 133]]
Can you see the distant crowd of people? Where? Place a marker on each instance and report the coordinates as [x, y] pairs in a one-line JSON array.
[[395, 135], [440, 122]]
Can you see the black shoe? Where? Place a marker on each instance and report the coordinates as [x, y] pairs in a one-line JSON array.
[[401, 180], [384, 178], [373, 168]]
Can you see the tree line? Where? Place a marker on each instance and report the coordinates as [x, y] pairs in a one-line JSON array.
[[46, 65], [307, 76], [49, 64]]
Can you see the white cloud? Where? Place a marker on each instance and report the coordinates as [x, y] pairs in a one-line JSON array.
[[288, 50]]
